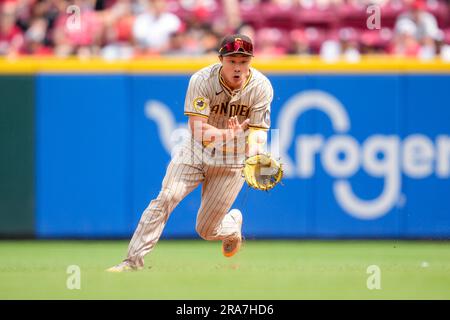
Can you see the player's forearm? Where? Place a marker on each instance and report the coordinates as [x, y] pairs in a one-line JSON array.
[[205, 132], [257, 140]]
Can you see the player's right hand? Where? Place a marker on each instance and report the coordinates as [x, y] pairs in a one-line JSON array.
[[236, 127]]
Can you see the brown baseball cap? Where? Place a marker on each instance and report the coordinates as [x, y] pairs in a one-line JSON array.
[[236, 44]]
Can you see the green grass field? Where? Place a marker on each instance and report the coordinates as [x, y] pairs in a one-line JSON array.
[[197, 270]]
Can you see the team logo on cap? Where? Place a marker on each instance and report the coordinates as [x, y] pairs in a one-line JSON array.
[[200, 104], [238, 43]]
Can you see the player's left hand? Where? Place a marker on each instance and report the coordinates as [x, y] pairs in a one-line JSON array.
[[262, 172]]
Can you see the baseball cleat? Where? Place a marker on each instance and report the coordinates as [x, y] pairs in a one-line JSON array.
[[124, 266], [232, 245]]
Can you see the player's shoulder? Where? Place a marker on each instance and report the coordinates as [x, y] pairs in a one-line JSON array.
[[259, 78], [260, 82], [206, 73]]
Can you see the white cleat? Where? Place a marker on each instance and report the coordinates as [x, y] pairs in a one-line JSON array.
[[232, 245], [124, 266]]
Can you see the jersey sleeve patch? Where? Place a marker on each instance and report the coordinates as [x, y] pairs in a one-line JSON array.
[[200, 104]]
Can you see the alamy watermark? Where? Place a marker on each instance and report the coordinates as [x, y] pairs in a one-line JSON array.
[[73, 22], [374, 280], [221, 146], [74, 279], [374, 20]]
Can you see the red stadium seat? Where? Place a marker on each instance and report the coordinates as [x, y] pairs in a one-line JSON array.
[[316, 17], [205, 12], [376, 38], [447, 36], [352, 16], [251, 14], [348, 34], [441, 11], [174, 7], [276, 16], [390, 13], [274, 39], [312, 35]]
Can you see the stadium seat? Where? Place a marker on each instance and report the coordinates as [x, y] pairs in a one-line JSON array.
[[390, 13], [441, 11], [447, 36], [206, 11], [352, 16], [376, 38], [316, 17], [312, 35], [250, 14], [276, 16]]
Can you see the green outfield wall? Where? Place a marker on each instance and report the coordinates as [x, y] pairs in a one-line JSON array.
[[17, 155]]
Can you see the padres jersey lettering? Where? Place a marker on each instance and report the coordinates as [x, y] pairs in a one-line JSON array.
[[225, 109]]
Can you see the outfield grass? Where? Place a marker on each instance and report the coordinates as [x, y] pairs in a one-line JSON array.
[[197, 270]]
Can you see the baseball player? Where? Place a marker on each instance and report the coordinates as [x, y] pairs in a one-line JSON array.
[[228, 105]]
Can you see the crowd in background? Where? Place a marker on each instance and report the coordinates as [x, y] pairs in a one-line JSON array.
[[123, 29]]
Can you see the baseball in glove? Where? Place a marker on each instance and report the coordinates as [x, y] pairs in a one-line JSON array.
[[262, 172]]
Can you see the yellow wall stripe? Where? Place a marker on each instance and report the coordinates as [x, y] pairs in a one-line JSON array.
[[286, 65]]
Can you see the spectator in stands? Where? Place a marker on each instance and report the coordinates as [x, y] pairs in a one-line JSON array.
[[349, 44], [300, 44], [118, 23], [11, 37], [24, 13], [365, 3], [426, 24], [268, 42], [118, 29], [183, 43], [405, 41], [35, 38], [323, 4], [248, 30], [341, 45], [153, 28], [49, 10], [444, 51], [210, 42], [84, 38], [424, 28], [232, 14]]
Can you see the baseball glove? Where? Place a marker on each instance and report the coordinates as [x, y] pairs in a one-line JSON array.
[[262, 172]]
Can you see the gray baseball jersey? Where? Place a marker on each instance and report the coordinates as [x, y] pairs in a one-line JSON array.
[[194, 163]]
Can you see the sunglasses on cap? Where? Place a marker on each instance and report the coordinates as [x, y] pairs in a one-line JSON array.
[[237, 46]]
